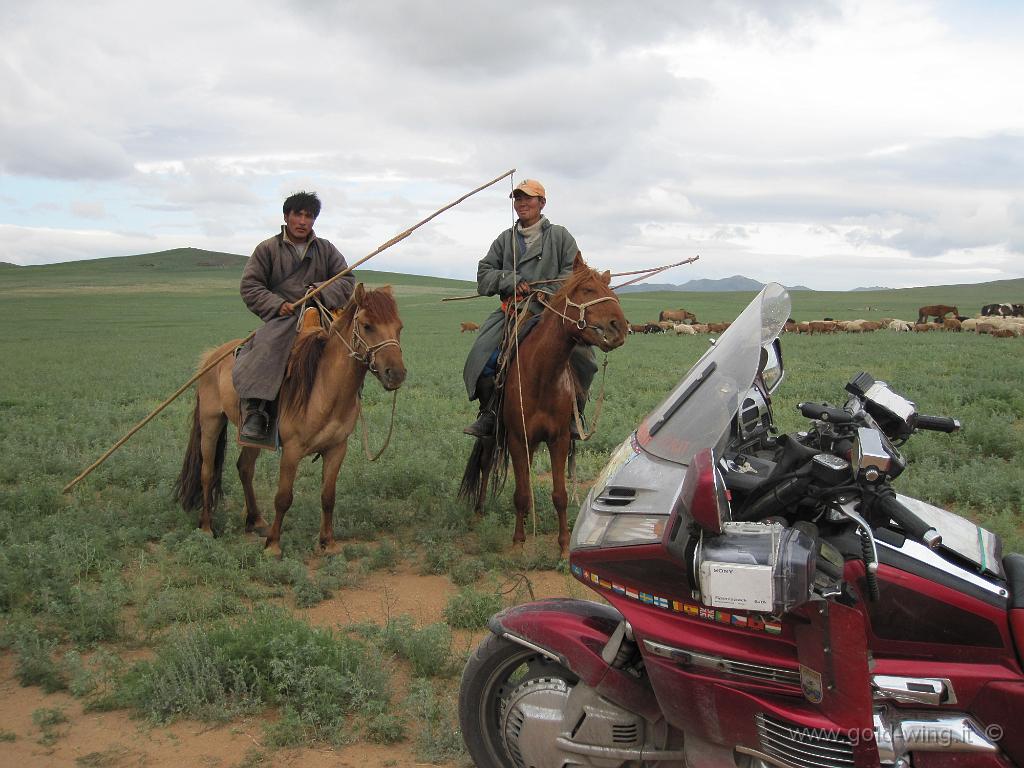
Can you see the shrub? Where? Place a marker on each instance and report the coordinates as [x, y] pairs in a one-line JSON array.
[[470, 609], [35, 664]]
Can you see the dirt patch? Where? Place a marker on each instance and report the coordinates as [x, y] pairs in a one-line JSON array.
[[114, 740]]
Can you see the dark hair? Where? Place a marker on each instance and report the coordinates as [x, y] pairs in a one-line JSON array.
[[303, 201]]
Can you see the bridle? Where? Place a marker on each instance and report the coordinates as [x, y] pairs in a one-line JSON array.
[[581, 322]]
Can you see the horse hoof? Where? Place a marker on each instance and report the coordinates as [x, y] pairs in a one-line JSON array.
[[261, 528], [272, 551], [331, 549]]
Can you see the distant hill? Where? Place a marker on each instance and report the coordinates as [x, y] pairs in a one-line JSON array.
[[705, 285], [872, 288]]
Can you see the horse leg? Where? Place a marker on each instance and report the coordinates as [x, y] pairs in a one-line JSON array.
[[211, 427], [559, 450], [523, 496], [254, 522], [332, 465], [282, 501]]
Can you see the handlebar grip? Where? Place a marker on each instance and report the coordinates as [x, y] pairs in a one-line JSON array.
[[915, 527], [937, 423], [823, 412]]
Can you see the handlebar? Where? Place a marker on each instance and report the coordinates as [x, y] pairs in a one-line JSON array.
[[825, 413], [937, 423], [915, 527]]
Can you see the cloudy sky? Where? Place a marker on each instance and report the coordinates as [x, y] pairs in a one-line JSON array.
[[830, 144]]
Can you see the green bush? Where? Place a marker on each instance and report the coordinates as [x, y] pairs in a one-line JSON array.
[[470, 609]]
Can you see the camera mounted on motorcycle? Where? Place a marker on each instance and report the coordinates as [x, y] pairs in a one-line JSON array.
[[894, 413]]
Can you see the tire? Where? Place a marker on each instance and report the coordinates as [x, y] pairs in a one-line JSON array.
[[496, 668]]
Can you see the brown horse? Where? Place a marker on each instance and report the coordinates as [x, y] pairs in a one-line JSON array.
[[938, 311], [539, 395], [319, 405]]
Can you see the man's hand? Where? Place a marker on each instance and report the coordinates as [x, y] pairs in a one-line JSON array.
[[286, 309], [523, 288]]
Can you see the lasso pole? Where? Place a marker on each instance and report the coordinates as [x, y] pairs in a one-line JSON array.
[[396, 239]]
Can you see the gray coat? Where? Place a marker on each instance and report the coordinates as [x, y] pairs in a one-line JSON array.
[[273, 275], [550, 256]]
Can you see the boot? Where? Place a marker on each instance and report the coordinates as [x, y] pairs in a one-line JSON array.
[[574, 431], [486, 419], [257, 421]]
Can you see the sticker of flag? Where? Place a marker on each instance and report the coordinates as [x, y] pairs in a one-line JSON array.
[[577, 570], [773, 627], [691, 609], [632, 593], [618, 589], [661, 602], [739, 621], [595, 578], [707, 613], [723, 617], [646, 598]]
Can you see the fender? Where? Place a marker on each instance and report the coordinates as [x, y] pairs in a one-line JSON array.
[[574, 633]]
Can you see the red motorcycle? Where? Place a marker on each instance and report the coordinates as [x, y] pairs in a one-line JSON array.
[[770, 600]]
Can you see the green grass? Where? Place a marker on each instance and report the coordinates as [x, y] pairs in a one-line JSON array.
[[90, 348]]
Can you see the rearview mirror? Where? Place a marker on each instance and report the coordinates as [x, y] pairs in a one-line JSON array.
[[771, 370], [702, 499]]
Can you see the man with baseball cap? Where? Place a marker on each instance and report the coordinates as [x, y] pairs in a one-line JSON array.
[[532, 251]]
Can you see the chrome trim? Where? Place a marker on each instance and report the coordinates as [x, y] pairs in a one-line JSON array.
[[914, 690], [926, 732], [765, 758], [869, 451], [760, 672], [803, 747], [533, 647], [927, 556], [882, 395]]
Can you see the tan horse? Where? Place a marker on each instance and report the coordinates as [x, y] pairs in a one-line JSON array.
[[318, 408], [539, 395]]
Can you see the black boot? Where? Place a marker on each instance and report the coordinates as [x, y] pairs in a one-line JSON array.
[[486, 420], [257, 421], [574, 430]]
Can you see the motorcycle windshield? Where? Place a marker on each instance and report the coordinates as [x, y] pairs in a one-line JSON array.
[[700, 410]]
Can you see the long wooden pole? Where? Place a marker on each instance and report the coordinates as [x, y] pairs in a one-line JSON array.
[[396, 239]]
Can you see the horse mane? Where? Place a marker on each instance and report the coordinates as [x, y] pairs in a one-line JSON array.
[[575, 279], [308, 351]]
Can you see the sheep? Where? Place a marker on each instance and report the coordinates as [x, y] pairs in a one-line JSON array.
[[684, 329]]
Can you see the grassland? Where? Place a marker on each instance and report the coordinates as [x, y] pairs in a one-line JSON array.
[[90, 348]]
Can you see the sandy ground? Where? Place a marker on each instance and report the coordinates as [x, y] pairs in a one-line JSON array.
[[114, 740]]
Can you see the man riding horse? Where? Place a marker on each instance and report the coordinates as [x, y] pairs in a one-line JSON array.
[[526, 258], [279, 273]]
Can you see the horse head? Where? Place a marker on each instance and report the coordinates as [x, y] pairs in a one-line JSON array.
[[587, 301], [376, 330]]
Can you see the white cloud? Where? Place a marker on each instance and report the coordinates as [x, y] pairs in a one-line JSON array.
[[830, 144]]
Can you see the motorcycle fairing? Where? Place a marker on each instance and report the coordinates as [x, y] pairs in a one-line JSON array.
[[575, 632], [832, 647]]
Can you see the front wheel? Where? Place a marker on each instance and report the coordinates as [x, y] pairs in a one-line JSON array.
[[510, 704]]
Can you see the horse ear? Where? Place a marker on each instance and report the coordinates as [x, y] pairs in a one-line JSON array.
[[606, 277], [358, 294], [387, 289], [578, 263]]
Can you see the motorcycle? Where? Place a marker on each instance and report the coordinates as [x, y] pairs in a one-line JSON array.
[[767, 599]]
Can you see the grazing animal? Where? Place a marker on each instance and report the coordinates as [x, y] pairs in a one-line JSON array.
[[924, 327], [653, 328], [677, 315], [319, 405], [822, 326], [539, 393], [951, 324], [900, 326], [638, 328], [471, 327], [1002, 333], [682, 329], [938, 311]]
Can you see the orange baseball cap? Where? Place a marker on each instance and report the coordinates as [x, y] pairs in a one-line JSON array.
[[530, 187]]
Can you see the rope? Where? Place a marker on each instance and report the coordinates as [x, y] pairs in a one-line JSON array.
[[366, 439]]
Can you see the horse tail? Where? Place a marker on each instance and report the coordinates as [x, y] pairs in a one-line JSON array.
[[188, 488], [472, 476]]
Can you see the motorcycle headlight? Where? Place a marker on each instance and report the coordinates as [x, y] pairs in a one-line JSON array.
[[601, 529]]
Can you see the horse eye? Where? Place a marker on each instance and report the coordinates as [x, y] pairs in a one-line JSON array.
[[368, 327]]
